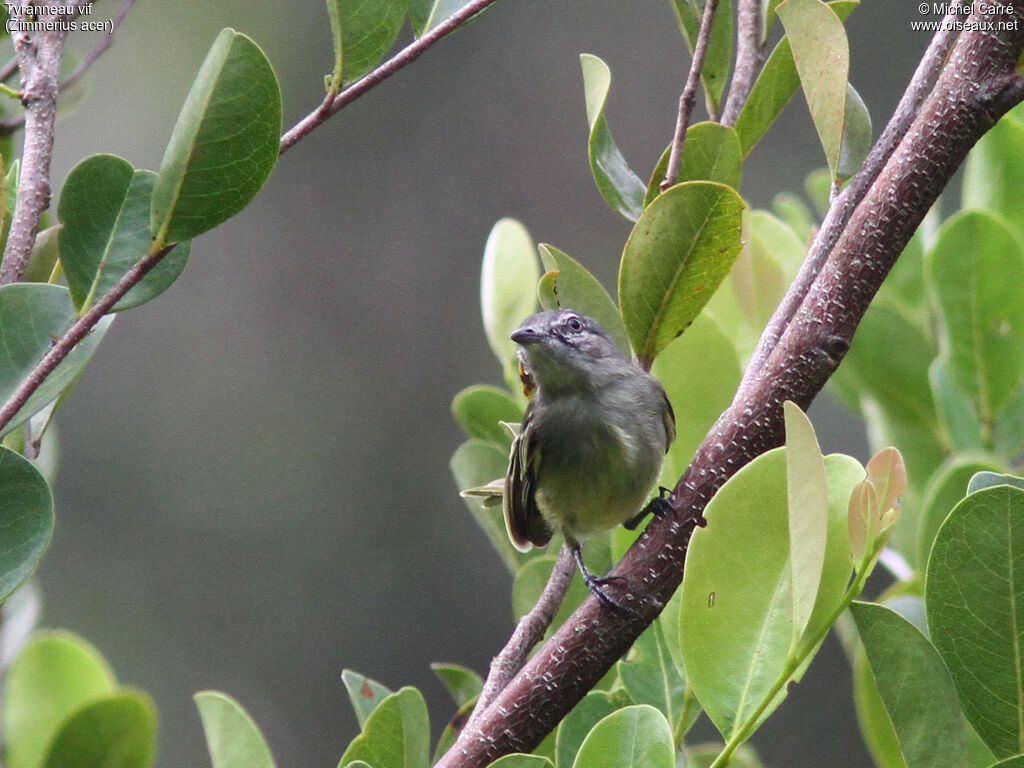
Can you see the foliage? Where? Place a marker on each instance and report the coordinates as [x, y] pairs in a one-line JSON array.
[[937, 369]]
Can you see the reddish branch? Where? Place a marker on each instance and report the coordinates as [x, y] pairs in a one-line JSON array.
[[976, 87], [689, 94]]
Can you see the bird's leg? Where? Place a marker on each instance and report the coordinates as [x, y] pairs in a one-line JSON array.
[[593, 582], [659, 506]]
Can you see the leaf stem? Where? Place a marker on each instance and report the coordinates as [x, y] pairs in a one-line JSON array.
[[335, 102], [797, 657], [77, 332], [689, 94]]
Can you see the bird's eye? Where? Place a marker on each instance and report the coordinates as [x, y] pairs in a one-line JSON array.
[[574, 324]]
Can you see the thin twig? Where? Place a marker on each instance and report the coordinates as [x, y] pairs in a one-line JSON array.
[[77, 332], [842, 207], [527, 634], [689, 94], [98, 51], [39, 55], [977, 86], [749, 56], [406, 56]]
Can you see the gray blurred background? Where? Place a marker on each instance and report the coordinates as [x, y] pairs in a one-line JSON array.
[[254, 490]]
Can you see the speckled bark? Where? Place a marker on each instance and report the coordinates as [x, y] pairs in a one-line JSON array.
[[38, 55], [978, 85]]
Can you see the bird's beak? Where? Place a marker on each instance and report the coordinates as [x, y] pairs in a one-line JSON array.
[[525, 335]]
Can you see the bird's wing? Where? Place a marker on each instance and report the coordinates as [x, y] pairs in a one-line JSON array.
[[669, 417], [523, 519]]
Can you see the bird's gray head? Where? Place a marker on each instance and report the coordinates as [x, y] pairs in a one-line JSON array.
[[567, 350]]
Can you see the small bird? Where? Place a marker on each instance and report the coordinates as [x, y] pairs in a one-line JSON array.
[[592, 441]]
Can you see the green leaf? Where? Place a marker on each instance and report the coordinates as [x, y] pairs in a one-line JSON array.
[[104, 209], [1017, 761], [367, 31], [649, 675], [26, 520], [44, 256], [118, 731], [794, 212], [700, 371], [574, 287], [479, 409], [982, 339], [975, 581], [508, 280], [619, 186], [476, 463], [224, 144], [807, 500], [711, 153], [704, 756], [232, 736], [519, 760], [396, 735], [915, 686], [774, 87], [580, 721], [957, 412], [10, 188], [822, 56], [856, 135], [54, 675], [983, 480], [735, 625], [632, 737], [680, 250], [875, 725], [718, 57], [364, 693], [871, 367], [994, 171], [427, 14], [462, 683], [946, 487], [32, 316]]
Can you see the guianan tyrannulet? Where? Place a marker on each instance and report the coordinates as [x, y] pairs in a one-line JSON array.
[[592, 440]]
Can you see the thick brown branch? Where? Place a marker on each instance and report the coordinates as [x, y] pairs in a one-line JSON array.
[[976, 87], [928, 70]]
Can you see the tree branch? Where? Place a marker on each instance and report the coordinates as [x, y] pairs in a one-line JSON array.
[[38, 55], [841, 208], [689, 94], [749, 56], [406, 56], [7, 127], [977, 86], [77, 332]]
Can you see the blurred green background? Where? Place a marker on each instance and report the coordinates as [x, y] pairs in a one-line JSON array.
[[254, 491]]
